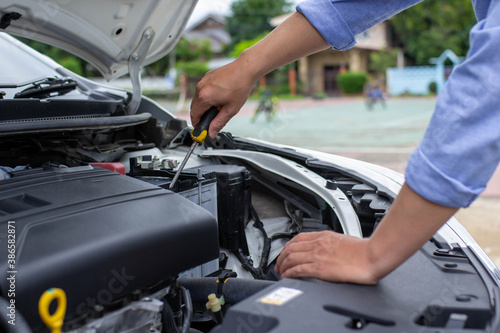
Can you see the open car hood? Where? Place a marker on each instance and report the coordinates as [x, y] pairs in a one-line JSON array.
[[111, 35]]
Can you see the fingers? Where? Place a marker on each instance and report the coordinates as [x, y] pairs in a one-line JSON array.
[[206, 97], [225, 88], [225, 114], [302, 271], [328, 256], [307, 243], [202, 101], [289, 253]]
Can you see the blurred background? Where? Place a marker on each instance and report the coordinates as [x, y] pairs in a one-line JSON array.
[[372, 102]]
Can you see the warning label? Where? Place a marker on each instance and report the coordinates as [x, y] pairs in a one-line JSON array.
[[280, 296]]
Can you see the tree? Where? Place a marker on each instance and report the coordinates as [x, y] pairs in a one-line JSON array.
[[195, 50], [383, 59], [242, 45], [431, 27], [65, 59], [250, 18]]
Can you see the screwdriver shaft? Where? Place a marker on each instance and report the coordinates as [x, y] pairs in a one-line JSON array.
[[183, 164], [198, 135]]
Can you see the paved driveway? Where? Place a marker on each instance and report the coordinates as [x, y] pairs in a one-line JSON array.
[[334, 125]]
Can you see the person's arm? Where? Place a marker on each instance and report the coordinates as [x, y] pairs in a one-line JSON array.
[[451, 166], [317, 25], [411, 221], [229, 86], [461, 146]]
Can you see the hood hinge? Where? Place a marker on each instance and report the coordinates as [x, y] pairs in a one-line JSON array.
[[134, 67]]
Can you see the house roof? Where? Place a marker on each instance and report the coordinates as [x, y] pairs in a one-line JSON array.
[[211, 27], [216, 17]]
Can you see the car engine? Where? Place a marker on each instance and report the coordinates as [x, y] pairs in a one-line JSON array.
[[94, 217]]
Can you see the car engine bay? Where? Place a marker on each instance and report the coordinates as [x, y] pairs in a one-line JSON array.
[[95, 218]]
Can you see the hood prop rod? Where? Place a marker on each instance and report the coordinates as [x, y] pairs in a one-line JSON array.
[[134, 67]]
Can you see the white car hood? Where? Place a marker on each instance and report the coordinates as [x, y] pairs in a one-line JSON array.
[[109, 34]]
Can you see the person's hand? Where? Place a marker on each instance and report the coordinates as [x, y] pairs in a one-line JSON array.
[[228, 88], [327, 256]]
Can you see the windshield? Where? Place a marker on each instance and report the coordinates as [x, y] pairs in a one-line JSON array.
[[18, 66], [23, 69]]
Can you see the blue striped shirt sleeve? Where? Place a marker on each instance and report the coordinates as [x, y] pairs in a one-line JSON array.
[[339, 21]]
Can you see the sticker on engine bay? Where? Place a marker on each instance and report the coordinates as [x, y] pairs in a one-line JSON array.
[[281, 296]]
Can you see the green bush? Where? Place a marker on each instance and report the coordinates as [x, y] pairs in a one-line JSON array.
[[352, 82], [319, 95], [433, 87], [192, 68]]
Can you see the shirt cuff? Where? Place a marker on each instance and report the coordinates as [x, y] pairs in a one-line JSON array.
[[323, 16], [431, 183]]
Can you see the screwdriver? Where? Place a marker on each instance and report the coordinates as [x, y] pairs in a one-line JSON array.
[[198, 134]]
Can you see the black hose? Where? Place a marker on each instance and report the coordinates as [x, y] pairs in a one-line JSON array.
[[168, 320], [245, 262], [21, 325], [279, 235], [235, 290], [188, 310], [257, 273], [266, 249]]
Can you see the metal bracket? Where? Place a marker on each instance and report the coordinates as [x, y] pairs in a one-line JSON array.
[[134, 67], [455, 252], [290, 170]]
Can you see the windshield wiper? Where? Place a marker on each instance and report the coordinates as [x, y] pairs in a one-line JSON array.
[[48, 87]]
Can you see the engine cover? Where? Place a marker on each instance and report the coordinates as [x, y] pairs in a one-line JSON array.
[[97, 235]]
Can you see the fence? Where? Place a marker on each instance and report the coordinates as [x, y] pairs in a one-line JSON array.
[[411, 80]]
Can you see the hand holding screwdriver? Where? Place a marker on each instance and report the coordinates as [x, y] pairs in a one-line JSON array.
[[198, 134]]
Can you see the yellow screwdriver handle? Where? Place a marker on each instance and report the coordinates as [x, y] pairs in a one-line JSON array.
[[200, 132], [53, 321]]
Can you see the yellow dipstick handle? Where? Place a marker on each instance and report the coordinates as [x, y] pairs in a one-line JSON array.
[[53, 321]]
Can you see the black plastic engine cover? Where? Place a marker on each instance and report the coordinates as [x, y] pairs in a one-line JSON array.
[[420, 296], [97, 235]]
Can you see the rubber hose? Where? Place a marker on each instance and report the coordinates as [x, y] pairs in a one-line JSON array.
[[21, 325], [266, 249], [245, 262], [168, 320], [188, 310], [235, 290]]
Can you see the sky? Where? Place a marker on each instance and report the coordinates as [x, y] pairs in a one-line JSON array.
[[213, 6], [209, 6]]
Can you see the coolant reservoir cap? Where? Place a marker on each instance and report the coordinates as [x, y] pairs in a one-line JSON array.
[[215, 304]]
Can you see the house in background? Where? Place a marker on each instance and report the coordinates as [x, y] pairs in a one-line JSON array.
[[318, 72], [211, 27]]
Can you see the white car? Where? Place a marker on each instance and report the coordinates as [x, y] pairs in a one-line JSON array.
[[92, 239]]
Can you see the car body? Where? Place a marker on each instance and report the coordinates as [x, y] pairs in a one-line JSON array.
[[85, 205]]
